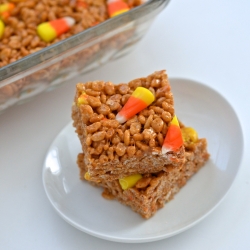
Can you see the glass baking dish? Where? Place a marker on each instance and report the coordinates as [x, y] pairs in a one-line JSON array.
[[78, 54]]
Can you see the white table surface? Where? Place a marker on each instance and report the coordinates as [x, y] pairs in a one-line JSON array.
[[207, 41]]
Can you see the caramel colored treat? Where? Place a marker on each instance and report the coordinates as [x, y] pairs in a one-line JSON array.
[[152, 191], [114, 150], [22, 34], [21, 38]]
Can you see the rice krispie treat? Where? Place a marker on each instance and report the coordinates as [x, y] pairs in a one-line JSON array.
[[30, 26], [127, 129], [147, 193], [20, 33]]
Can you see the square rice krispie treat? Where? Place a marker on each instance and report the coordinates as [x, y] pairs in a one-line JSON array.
[[146, 193], [127, 129]]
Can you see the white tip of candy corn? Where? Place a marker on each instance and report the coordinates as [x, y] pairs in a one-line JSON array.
[[164, 150], [69, 20], [121, 119]]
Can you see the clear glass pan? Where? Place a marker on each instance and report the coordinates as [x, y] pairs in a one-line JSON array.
[[78, 54]]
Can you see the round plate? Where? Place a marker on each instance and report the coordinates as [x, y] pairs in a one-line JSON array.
[[82, 205]]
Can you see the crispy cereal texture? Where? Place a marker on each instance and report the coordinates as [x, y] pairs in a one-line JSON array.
[[114, 150], [20, 39], [154, 190]]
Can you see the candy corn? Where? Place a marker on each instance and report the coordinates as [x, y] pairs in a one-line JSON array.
[[93, 101], [129, 181], [5, 10], [87, 176], [116, 7], [2, 27], [138, 101], [173, 140], [48, 31], [189, 135], [82, 99]]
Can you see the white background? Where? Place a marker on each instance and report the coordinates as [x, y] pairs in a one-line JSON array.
[[207, 41]]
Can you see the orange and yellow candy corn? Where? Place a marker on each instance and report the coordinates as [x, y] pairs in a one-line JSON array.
[[173, 140], [138, 101], [48, 31], [5, 10], [2, 27], [82, 99], [116, 7]]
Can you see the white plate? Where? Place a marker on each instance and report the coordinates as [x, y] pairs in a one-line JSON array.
[[82, 205]]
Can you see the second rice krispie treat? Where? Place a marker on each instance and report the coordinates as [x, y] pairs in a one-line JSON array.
[[146, 193], [127, 129]]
